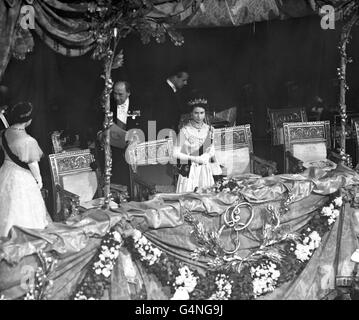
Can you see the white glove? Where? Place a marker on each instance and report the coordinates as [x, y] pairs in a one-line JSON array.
[[204, 158], [39, 184]]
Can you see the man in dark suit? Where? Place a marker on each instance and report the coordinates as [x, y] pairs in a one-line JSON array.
[[122, 109], [167, 104]]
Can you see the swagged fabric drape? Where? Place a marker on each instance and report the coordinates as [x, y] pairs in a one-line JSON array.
[[62, 25]]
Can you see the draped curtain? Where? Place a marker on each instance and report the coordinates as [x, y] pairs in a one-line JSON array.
[[63, 26]]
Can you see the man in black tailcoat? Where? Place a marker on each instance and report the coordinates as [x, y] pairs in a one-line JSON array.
[[167, 104]]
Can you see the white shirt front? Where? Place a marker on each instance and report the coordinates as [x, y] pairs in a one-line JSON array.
[[172, 85], [122, 111], [3, 120]]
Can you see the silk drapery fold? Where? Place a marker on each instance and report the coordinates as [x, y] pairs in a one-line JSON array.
[[161, 219]]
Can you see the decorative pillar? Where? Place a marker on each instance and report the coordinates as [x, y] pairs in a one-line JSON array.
[[344, 60], [108, 120]]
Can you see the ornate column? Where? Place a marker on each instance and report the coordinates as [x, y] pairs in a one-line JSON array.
[[108, 120], [344, 60]]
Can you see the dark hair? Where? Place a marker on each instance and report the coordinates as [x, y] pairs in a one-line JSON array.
[[127, 85], [178, 71], [21, 112]]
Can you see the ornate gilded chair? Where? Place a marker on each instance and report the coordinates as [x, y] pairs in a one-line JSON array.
[[151, 168], [234, 152], [279, 116], [308, 144], [355, 123], [336, 129], [77, 184]]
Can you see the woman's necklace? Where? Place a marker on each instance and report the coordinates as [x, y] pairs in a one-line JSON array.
[[16, 128], [197, 125]]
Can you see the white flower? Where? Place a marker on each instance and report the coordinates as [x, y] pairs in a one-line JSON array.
[[326, 211], [179, 280], [136, 234], [302, 252], [276, 274], [80, 296], [180, 294], [338, 201], [355, 256], [106, 272], [117, 236], [107, 254], [264, 277], [335, 213], [157, 252], [190, 284], [315, 236]]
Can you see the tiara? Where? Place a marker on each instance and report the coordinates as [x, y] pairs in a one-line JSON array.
[[197, 101]]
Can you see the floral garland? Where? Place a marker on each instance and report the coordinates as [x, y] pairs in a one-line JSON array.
[[97, 279], [259, 274], [227, 276]]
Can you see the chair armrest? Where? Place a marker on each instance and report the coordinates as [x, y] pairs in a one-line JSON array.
[[118, 187], [142, 190], [263, 167], [137, 179], [334, 156], [119, 192], [294, 164], [66, 193], [70, 203]]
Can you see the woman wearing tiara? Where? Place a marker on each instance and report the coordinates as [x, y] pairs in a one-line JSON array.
[[21, 203], [194, 150]]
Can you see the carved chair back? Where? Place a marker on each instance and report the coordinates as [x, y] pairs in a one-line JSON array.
[[307, 141], [233, 149], [152, 170], [279, 116], [74, 171]]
